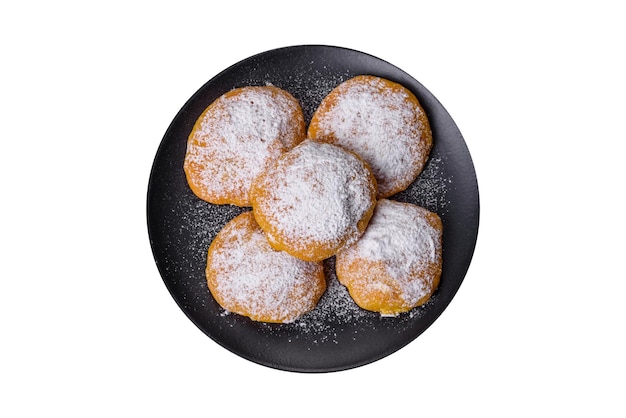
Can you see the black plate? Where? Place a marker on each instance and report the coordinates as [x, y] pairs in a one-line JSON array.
[[337, 335]]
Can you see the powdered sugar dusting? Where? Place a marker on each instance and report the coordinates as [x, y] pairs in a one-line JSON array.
[[317, 194], [239, 135], [400, 237], [335, 309], [381, 125], [253, 277], [430, 189], [311, 89]]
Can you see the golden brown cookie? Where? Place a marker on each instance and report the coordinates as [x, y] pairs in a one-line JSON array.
[[314, 200], [381, 121], [236, 137], [246, 276], [396, 264]]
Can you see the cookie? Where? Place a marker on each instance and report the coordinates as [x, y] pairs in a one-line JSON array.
[[246, 276], [382, 122], [314, 200], [236, 137], [396, 265]]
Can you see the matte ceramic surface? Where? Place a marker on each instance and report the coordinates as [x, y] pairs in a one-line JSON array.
[[337, 335]]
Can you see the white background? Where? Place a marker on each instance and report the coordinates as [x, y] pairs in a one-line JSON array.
[[87, 91]]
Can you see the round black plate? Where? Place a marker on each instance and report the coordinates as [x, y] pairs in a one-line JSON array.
[[337, 335]]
